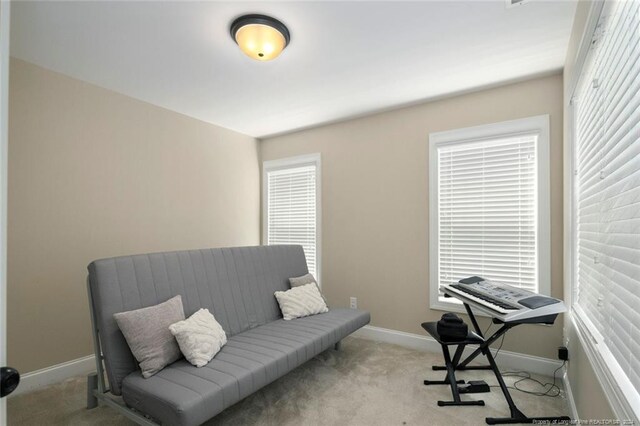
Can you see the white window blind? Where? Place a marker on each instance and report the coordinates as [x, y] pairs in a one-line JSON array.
[[291, 209], [487, 211], [606, 108]]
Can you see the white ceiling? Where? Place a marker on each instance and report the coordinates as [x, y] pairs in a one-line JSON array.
[[345, 58]]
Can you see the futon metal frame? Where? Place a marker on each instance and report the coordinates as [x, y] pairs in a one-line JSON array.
[[97, 389]]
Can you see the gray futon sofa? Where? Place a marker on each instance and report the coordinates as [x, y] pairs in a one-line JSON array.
[[237, 286]]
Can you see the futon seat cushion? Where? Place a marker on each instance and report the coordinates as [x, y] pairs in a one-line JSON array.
[[182, 394]]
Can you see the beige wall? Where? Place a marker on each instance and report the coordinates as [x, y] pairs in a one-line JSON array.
[[93, 174], [375, 211], [590, 399]]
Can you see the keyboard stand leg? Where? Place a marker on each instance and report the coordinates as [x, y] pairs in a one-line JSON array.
[[516, 416], [457, 366], [482, 348], [472, 317]]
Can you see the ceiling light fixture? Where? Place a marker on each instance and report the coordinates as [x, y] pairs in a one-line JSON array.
[[260, 37]]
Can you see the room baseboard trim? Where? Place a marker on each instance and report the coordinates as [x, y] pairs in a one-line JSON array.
[[55, 374], [573, 410], [506, 360], [509, 360]]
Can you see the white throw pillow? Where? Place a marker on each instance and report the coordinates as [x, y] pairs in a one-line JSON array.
[[301, 301], [304, 280], [200, 337]]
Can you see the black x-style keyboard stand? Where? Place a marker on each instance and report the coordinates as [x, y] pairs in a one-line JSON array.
[[516, 416]]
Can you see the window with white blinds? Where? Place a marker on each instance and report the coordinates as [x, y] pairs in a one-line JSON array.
[[606, 185], [487, 206], [291, 205]]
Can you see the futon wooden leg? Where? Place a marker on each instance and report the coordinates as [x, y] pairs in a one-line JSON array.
[[338, 345]]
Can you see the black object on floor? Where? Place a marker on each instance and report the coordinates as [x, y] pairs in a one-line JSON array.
[[475, 386]]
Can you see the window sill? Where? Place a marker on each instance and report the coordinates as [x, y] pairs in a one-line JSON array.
[[622, 396]]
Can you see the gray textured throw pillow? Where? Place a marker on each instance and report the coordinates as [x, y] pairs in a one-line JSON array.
[[147, 333], [304, 280]]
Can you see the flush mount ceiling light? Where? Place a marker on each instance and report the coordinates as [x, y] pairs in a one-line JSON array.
[[260, 37]]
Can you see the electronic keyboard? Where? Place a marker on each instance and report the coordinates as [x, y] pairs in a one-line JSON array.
[[505, 302]]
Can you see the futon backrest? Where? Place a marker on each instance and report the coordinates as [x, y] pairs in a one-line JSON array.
[[235, 284]]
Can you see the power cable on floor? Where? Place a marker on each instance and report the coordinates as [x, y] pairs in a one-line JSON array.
[[553, 391]]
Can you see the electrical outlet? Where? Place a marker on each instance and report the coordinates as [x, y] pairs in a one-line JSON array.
[[563, 353], [354, 303]]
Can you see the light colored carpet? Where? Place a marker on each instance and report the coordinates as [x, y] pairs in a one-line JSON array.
[[365, 383]]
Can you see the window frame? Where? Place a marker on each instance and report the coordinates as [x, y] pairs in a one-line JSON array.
[[291, 163], [524, 126], [620, 393]]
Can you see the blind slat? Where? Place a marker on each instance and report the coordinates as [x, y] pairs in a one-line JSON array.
[[291, 209], [488, 210], [607, 155]]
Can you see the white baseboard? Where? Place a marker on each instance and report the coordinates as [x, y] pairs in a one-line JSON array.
[[573, 410], [506, 359], [55, 374]]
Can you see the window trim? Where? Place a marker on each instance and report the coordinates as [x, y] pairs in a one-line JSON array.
[[537, 124], [620, 394], [289, 163]]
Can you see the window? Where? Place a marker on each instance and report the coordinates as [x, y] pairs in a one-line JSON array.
[[489, 206], [605, 221], [291, 215]]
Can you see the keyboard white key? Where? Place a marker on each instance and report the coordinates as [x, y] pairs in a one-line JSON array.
[[486, 303]]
